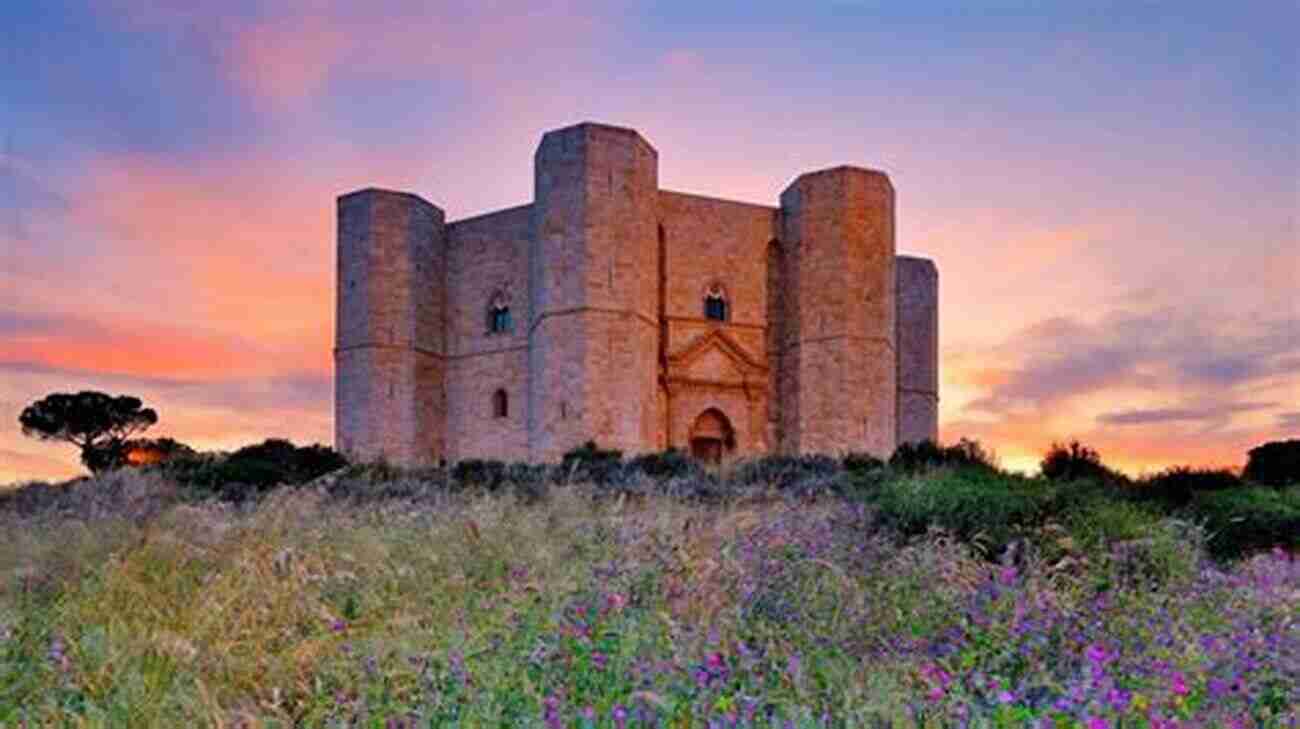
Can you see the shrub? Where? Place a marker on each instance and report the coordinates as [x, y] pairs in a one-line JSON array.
[[1074, 461], [861, 463], [484, 474], [975, 505], [121, 494], [1274, 464], [794, 474], [913, 457], [672, 463], [588, 462], [1175, 486], [1099, 521], [1246, 520], [254, 469]]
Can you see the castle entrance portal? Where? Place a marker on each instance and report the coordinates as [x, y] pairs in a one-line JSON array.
[[711, 436]]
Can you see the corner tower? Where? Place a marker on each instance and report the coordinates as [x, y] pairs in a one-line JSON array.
[[389, 356], [837, 358], [918, 349], [593, 338]]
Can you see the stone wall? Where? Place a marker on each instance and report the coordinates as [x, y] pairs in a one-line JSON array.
[[389, 339], [593, 350], [711, 242], [838, 372], [605, 276], [487, 257], [918, 349]]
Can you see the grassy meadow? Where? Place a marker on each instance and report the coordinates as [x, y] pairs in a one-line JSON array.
[[782, 593]]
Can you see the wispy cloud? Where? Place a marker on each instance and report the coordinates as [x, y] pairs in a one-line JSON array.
[[1215, 413], [1066, 357]]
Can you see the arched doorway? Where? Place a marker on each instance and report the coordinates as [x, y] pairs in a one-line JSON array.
[[712, 436]]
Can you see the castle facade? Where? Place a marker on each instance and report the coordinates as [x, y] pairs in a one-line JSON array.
[[611, 310]]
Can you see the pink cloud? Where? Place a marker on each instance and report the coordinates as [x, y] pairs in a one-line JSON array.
[[285, 57]]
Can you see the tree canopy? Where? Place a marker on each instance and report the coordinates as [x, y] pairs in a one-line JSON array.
[[95, 422]]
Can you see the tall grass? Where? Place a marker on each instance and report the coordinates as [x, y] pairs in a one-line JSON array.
[[580, 606]]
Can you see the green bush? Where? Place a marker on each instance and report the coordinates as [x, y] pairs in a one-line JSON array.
[[671, 463], [973, 504], [1075, 461], [477, 473], [1274, 464], [861, 463], [253, 470], [1250, 519], [1176, 486], [1100, 520], [914, 457], [588, 462], [795, 474]]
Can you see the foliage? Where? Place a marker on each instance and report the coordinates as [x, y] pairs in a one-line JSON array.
[[672, 463], [1246, 520], [137, 452], [95, 422], [477, 610], [975, 505], [914, 457], [801, 475], [1177, 485], [1276, 463], [484, 474], [589, 462], [857, 464], [1075, 461], [254, 469]]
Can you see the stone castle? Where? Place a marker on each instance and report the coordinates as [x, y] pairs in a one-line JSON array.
[[640, 318]]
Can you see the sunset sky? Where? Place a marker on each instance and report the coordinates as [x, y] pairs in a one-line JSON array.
[[1109, 189]]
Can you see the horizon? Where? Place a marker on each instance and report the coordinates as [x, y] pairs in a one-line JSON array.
[[1109, 193]]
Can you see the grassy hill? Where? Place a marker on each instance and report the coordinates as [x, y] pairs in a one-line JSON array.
[[784, 593]]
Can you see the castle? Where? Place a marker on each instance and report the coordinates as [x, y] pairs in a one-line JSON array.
[[640, 318]]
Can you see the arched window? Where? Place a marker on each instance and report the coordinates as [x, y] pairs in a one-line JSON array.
[[499, 315], [715, 303], [500, 404]]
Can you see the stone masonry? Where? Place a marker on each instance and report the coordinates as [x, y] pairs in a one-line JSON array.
[[614, 311]]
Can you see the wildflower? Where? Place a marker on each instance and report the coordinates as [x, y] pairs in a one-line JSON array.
[[1098, 654], [599, 660], [1119, 698], [57, 655], [615, 601], [1006, 697], [792, 667], [339, 626], [1178, 684], [551, 712], [1007, 575], [619, 715], [1097, 722]]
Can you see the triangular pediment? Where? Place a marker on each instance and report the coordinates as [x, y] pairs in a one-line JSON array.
[[713, 364], [715, 357]]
